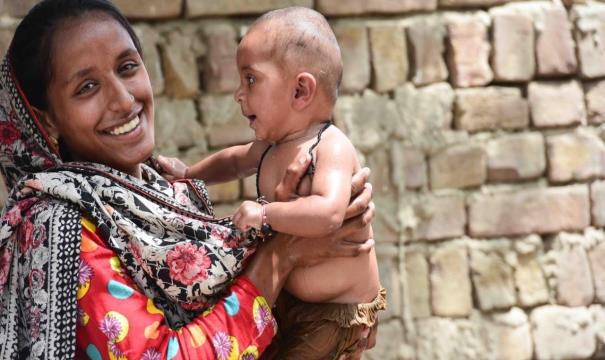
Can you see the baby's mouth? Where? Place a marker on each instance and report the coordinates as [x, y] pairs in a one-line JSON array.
[[251, 117]]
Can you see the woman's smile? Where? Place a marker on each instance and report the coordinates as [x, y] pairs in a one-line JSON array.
[[129, 127]]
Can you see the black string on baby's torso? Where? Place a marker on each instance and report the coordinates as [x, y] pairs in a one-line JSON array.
[[310, 170]]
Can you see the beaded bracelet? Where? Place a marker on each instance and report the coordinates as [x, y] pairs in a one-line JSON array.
[[266, 231]]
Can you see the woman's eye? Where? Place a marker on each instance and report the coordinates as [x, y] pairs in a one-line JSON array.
[[87, 87], [130, 66]]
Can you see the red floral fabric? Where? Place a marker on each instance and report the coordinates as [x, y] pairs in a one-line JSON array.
[[116, 321]]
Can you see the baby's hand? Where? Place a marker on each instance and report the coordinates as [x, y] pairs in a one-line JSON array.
[[172, 168], [249, 215]]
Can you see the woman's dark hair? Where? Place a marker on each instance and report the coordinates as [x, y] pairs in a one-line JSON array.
[[31, 47]]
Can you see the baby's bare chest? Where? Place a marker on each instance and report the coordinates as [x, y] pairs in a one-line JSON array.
[[275, 165]]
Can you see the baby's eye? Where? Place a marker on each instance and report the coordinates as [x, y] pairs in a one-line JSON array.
[[250, 80]]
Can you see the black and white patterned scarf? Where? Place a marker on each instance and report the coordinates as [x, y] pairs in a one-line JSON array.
[[165, 235]]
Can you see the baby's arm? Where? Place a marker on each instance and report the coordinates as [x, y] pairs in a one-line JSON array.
[[323, 211], [232, 163]]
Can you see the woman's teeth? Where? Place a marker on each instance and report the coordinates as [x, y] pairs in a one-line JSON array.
[[126, 127]]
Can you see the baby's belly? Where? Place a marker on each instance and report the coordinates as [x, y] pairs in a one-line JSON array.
[[339, 280]]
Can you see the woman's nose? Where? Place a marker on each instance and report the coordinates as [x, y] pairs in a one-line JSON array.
[[121, 100]]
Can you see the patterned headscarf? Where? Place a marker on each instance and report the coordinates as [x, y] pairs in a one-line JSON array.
[[148, 222]]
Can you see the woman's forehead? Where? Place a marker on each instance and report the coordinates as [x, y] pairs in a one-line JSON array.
[[88, 39]]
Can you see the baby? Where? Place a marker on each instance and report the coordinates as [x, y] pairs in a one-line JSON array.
[[290, 67]]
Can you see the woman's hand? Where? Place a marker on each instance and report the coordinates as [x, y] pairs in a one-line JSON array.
[[172, 168]]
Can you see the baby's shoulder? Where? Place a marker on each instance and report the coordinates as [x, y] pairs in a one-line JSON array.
[[334, 139]]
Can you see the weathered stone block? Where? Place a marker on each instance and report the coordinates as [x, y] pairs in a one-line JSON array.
[[249, 187], [368, 120], [220, 73], [492, 279], [389, 57], [425, 113], [596, 255], [386, 224], [389, 342], [229, 191], [180, 67], [196, 8], [459, 166], [176, 126], [516, 157], [575, 156], [513, 42], [426, 39], [507, 335], [18, 8], [470, 3], [491, 108], [225, 209], [150, 9], [380, 163], [562, 333], [440, 217], [555, 47], [595, 101], [450, 283], [390, 278], [357, 7], [589, 32], [556, 103], [530, 280], [409, 165], [597, 196], [463, 339], [354, 46], [573, 276], [150, 38], [223, 120], [468, 52], [417, 276], [535, 211], [598, 318]]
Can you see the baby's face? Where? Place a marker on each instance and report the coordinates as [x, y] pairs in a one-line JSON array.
[[265, 90]]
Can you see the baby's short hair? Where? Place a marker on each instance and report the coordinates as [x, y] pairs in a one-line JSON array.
[[301, 39]]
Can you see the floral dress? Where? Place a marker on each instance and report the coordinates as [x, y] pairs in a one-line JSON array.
[[116, 321]]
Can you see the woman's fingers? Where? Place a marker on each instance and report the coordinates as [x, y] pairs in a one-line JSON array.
[[359, 204], [286, 189], [358, 181]]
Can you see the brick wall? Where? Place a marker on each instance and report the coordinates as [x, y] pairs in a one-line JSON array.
[[482, 121]]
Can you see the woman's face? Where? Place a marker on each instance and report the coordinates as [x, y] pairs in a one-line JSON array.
[[100, 97]]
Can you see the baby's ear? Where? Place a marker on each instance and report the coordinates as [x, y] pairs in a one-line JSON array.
[[304, 92]]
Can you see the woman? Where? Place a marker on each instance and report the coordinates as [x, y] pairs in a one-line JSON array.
[[76, 118]]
